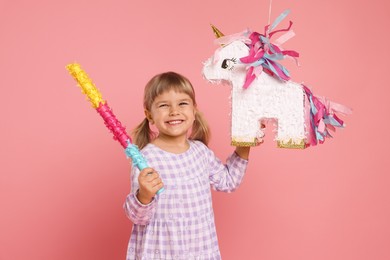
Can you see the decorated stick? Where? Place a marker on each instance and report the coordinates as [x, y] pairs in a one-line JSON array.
[[111, 122]]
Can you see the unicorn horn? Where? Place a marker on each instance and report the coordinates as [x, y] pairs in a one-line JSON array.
[[217, 32]]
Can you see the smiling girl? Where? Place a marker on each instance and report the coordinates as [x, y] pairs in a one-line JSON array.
[[178, 223]]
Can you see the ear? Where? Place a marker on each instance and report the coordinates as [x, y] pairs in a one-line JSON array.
[[148, 116]]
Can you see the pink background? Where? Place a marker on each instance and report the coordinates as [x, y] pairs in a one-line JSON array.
[[63, 179]]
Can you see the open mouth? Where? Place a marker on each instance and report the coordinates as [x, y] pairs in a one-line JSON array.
[[175, 122]]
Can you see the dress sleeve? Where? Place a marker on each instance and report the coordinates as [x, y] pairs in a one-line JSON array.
[[227, 177], [137, 212]]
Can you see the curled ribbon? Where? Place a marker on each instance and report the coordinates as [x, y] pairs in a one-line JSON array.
[[322, 117], [265, 54]]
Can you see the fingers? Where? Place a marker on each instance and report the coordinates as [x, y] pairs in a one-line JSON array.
[[259, 141], [158, 186], [148, 172], [150, 180], [156, 182], [150, 175]]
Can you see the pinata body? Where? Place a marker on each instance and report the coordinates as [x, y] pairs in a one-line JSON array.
[[262, 90], [266, 98]]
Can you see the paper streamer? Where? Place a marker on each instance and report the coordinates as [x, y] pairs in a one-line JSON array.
[[111, 122]]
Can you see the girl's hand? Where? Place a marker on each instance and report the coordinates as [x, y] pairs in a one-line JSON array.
[[243, 151], [149, 183]]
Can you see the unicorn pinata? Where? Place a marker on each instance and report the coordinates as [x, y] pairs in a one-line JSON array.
[[261, 90]]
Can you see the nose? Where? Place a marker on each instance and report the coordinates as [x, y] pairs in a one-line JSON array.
[[174, 110]]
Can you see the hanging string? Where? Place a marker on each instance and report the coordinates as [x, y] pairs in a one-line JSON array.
[[269, 15], [269, 11]]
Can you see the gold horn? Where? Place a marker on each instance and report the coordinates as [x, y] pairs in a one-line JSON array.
[[217, 32]]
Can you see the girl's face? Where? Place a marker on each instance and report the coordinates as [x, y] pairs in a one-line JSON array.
[[173, 114]]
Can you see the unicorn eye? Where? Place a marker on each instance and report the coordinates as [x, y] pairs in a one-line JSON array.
[[228, 63]]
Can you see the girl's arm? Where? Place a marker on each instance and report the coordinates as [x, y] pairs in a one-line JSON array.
[[227, 177]]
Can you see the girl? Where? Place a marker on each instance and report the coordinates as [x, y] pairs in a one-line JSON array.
[[179, 222]]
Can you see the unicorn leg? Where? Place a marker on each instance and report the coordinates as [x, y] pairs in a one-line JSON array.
[[246, 129], [291, 129]]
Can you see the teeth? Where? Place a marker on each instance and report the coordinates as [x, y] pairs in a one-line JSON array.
[[175, 122]]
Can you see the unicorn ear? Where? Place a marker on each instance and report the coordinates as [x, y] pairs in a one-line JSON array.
[[217, 32]]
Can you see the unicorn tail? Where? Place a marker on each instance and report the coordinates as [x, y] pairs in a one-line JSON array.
[[321, 117]]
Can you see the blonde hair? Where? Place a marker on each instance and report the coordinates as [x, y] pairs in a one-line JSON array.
[[159, 84]]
